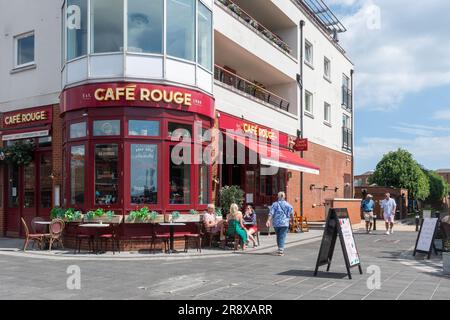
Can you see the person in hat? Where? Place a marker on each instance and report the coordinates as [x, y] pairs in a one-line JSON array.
[[367, 206]]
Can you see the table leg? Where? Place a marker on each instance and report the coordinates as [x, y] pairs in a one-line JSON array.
[[171, 239]]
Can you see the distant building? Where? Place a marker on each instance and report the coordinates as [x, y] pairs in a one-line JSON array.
[[363, 179]]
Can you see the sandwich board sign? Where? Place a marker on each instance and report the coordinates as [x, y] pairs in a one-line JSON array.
[[425, 238], [338, 224]]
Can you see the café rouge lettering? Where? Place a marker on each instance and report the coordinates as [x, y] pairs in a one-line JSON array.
[[131, 93], [258, 131], [26, 117]]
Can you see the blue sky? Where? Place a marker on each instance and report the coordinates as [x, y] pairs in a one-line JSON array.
[[401, 51]]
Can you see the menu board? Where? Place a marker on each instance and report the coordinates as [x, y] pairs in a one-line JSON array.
[[426, 235], [349, 241]]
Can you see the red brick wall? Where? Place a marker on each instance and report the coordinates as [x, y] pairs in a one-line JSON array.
[[353, 207], [335, 171]]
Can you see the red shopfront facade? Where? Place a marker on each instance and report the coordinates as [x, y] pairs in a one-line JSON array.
[[118, 141]]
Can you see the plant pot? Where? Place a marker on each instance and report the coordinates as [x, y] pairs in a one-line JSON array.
[[73, 221], [159, 219], [188, 218], [446, 262], [106, 220]]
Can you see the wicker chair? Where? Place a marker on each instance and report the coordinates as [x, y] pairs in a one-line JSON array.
[[35, 237], [56, 230]]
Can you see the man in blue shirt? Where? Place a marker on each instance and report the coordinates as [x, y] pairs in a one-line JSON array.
[[367, 206], [280, 217]]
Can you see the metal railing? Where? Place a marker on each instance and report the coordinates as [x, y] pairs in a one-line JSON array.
[[244, 85], [253, 23], [347, 139], [347, 98]]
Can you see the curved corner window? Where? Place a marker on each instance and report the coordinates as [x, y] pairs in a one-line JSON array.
[[145, 26], [77, 30], [106, 26], [77, 166], [106, 128], [181, 29], [204, 37]]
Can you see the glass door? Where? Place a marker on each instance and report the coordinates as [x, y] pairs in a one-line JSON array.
[[45, 185], [29, 194]]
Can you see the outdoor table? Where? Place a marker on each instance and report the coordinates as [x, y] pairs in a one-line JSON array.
[[172, 226], [47, 224], [96, 226]]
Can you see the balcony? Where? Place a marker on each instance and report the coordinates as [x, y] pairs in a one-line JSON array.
[[347, 99], [253, 89], [347, 139], [251, 22]]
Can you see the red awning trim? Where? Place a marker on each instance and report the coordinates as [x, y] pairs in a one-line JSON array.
[[275, 156]]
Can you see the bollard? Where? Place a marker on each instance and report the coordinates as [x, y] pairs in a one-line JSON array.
[[374, 222], [417, 222]]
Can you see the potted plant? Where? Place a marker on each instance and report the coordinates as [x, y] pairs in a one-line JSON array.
[[144, 215], [57, 213], [72, 215], [100, 215], [230, 195], [193, 216]]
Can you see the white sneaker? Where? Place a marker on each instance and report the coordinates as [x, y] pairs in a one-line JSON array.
[[392, 231], [387, 232]]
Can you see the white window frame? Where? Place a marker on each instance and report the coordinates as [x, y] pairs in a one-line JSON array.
[[326, 106], [325, 75], [347, 123], [310, 45], [16, 50], [310, 112]]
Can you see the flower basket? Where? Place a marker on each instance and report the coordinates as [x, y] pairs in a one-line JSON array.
[[158, 219]]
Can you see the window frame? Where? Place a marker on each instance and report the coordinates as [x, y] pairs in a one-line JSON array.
[[16, 49], [327, 106], [325, 75], [309, 112], [310, 45]]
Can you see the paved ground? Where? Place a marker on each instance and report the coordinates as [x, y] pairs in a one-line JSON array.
[[235, 276]]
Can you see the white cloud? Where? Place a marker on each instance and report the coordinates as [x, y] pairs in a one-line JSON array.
[[408, 53], [442, 115]]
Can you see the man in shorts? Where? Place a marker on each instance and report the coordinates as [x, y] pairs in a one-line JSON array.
[[367, 206], [389, 206]]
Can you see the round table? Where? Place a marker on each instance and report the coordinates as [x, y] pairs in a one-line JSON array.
[[172, 226], [96, 226]]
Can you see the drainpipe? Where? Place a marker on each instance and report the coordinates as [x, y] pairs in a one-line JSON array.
[[353, 133], [302, 25]]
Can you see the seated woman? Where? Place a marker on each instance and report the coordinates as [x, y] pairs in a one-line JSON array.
[[236, 225], [251, 224], [212, 223]]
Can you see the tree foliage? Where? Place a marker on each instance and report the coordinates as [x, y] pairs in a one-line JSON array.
[[398, 169], [438, 186], [230, 195]]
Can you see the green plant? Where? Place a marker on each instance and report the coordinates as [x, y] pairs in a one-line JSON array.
[[175, 215], [109, 214], [219, 212], [142, 215], [57, 213], [230, 195], [92, 214], [72, 214], [20, 153], [192, 211]]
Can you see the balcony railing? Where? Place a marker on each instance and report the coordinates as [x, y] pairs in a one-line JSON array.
[[241, 84], [346, 98], [347, 139], [254, 24]]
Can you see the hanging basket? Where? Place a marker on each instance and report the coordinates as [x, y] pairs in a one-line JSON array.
[[19, 154]]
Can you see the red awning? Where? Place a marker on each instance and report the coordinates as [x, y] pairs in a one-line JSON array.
[[276, 156]]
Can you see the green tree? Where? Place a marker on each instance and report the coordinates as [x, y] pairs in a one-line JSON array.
[[230, 195], [438, 186], [398, 169]]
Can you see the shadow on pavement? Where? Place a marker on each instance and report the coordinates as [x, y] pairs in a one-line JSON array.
[[310, 274]]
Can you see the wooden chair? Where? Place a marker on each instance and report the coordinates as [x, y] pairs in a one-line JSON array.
[[197, 236], [36, 237], [111, 234], [163, 237], [56, 229]]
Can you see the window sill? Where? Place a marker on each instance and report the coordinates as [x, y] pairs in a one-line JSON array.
[[23, 68], [328, 124], [327, 78], [308, 114], [309, 64]]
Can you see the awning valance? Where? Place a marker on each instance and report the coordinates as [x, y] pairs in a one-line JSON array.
[[25, 133]]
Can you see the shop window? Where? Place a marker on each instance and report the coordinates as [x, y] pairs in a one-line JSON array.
[[204, 36], [29, 186], [45, 181], [24, 45], [76, 25], [78, 130], [180, 178], [45, 142], [106, 174], [177, 130], [106, 26], [144, 174], [107, 128], [77, 172], [145, 26], [204, 179], [143, 128], [181, 29], [13, 189]]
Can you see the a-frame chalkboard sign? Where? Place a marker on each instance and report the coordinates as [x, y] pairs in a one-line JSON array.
[[425, 239], [338, 223]]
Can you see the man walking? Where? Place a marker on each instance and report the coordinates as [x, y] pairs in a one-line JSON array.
[[280, 216], [367, 206], [389, 206]]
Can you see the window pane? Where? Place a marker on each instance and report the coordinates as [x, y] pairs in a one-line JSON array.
[[25, 50], [76, 24], [204, 37], [327, 112], [106, 26], [308, 102], [13, 188], [45, 181], [45, 142], [309, 52], [327, 67], [180, 130], [143, 128], [107, 128], [203, 187], [181, 29], [78, 130], [145, 26], [29, 186], [77, 163], [106, 174], [144, 174], [180, 178]]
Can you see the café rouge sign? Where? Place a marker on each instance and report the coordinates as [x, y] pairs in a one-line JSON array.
[[26, 117], [132, 93]]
